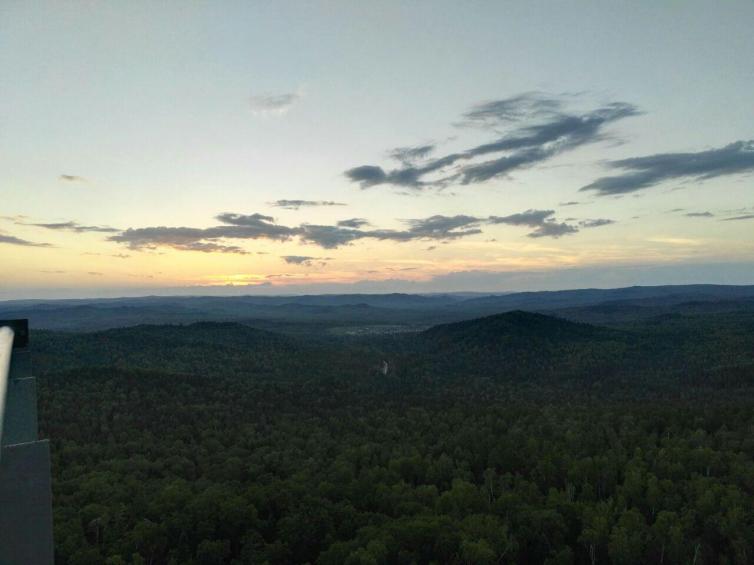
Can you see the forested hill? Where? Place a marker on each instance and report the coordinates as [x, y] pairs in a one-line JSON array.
[[512, 346], [206, 349], [525, 347], [516, 327]]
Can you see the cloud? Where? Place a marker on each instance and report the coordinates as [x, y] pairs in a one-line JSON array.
[[596, 223], [531, 218], [493, 113], [71, 227], [553, 229], [305, 260], [407, 155], [94, 273], [541, 220], [435, 227], [329, 237], [210, 247], [570, 203], [367, 175], [699, 215], [116, 255], [258, 226], [737, 218], [444, 227], [251, 226], [296, 204], [12, 240], [71, 178], [540, 131], [181, 238], [353, 223], [644, 172], [273, 104]]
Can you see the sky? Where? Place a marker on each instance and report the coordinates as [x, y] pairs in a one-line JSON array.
[[305, 147]]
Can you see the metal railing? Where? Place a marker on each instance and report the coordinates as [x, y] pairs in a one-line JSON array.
[[25, 479], [6, 347]]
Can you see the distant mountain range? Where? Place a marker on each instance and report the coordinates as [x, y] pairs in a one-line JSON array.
[[599, 306]]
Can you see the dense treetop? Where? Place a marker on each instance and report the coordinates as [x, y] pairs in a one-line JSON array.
[[513, 439]]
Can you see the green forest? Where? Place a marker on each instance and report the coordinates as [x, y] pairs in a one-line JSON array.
[[517, 438]]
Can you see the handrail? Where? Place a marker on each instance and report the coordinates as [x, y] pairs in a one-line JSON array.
[[6, 346]]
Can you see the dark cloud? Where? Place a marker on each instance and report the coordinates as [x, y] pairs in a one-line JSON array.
[[305, 260], [353, 223], [210, 247], [644, 172], [435, 227], [531, 218], [570, 203], [181, 238], [699, 215], [444, 227], [298, 259], [553, 229], [367, 175], [329, 237], [250, 226], [541, 220], [258, 226], [737, 218], [547, 133], [273, 103], [72, 227], [596, 223], [12, 240], [71, 178], [296, 204]]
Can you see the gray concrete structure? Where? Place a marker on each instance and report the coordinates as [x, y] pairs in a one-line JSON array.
[[25, 480]]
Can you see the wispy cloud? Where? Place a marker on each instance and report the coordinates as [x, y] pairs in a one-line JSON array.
[[596, 223], [353, 223], [699, 215], [408, 155], [296, 204], [525, 106], [738, 218], [644, 172], [538, 130], [12, 240], [273, 104], [70, 227], [115, 255], [71, 178]]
